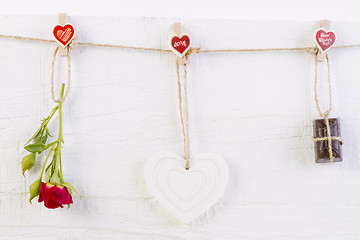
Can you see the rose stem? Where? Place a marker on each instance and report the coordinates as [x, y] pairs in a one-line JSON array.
[[60, 125], [47, 157]]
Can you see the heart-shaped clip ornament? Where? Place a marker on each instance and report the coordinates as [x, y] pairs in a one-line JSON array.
[[64, 34], [324, 39], [186, 193], [180, 44]]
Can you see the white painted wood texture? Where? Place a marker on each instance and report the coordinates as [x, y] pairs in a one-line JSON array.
[[254, 109]]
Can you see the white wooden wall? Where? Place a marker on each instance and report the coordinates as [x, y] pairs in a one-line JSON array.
[[254, 109]]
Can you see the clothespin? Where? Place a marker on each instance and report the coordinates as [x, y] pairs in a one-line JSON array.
[[177, 31], [325, 24], [62, 19], [180, 43]]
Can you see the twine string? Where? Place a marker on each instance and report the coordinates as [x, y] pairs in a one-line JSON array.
[[61, 99], [184, 116], [193, 50], [325, 114]]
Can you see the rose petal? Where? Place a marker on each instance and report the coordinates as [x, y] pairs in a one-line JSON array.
[[41, 192], [54, 196], [52, 204], [61, 195]]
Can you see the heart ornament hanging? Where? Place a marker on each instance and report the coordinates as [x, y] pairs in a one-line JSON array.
[[180, 44], [64, 34], [186, 193], [324, 39]]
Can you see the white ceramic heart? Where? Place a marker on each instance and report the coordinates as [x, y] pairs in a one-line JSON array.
[[186, 193]]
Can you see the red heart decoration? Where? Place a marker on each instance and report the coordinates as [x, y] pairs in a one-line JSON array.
[[64, 34], [180, 44], [325, 40]]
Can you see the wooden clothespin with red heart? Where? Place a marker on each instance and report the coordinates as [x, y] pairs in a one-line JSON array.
[[63, 32], [324, 39], [179, 43]]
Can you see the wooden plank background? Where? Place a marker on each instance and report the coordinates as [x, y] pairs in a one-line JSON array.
[[254, 109]]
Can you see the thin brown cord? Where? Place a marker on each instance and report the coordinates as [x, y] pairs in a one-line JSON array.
[[122, 47], [68, 73], [258, 50], [193, 50], [85, 43], [26, 38], [325, 114], [184, 119], [187, 157]]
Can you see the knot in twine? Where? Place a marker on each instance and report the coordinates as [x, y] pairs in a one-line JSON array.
[[194, 50], [313, 50], [73, 42], [325, 114], [70, 46]]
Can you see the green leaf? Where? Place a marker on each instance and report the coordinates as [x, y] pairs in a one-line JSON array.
[[40, 131], [70, 188], [52, 173], [46, 135], [47, 132], [34, 189], [35, 147], [55, 178], [49, 171], [36, 135], [28, 162], [40, 136], [44, 138]]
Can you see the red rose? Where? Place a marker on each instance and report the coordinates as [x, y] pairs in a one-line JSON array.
[[54, 196]]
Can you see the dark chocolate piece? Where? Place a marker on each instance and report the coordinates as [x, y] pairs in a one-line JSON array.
[[322, 147]]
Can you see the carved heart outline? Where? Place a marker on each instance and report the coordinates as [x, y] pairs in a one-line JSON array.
[[185, 204]]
